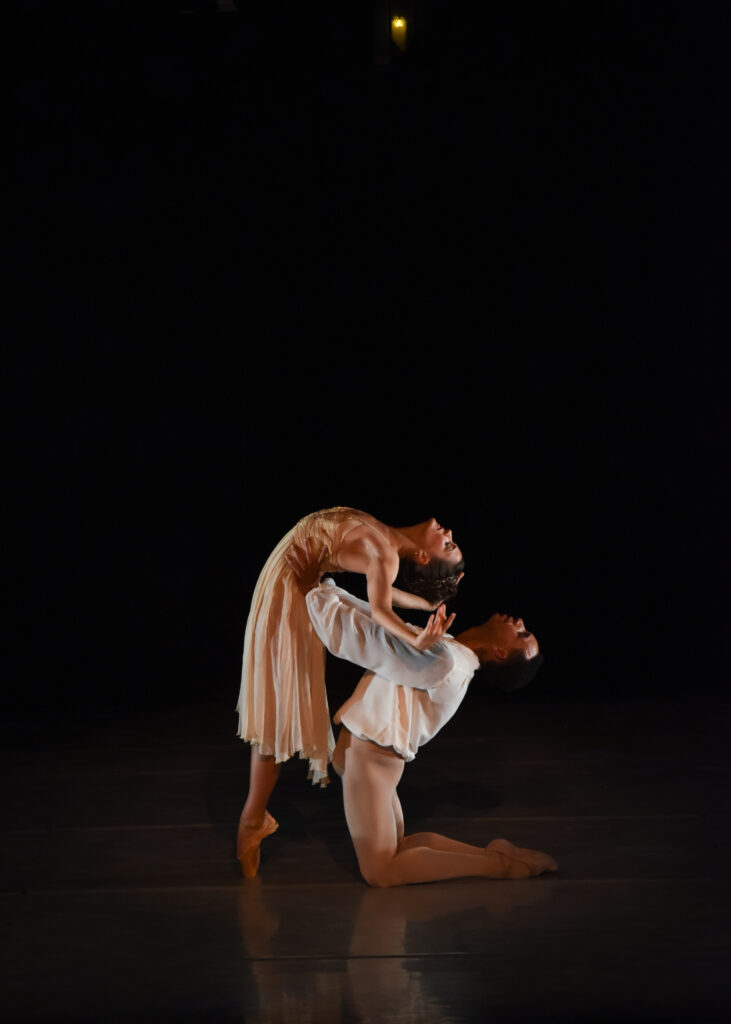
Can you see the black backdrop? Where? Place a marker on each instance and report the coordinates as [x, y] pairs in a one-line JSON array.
[[255, 274]]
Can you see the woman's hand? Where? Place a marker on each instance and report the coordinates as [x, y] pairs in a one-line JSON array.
[[304, 565], [434, 630]]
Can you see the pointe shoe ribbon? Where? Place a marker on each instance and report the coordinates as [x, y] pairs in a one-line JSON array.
[[249, 852]]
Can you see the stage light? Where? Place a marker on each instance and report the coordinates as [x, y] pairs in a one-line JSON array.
[[398, 32]]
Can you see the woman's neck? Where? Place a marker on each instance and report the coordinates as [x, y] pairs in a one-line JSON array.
[[406, 541]]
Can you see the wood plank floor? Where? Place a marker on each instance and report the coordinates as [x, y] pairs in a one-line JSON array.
[[121, 897]]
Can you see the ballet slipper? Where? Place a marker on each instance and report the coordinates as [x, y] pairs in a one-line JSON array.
[[249, 851], [520, 862]]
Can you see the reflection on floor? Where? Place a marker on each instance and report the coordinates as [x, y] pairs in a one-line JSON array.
[[121, 897]]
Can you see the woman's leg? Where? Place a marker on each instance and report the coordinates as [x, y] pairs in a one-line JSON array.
[[263, 774], [255, 822], [370, 777]]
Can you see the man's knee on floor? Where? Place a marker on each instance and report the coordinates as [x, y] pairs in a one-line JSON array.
[[378, 874]]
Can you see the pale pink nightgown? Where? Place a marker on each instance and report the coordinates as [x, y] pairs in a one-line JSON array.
[[282, 706]]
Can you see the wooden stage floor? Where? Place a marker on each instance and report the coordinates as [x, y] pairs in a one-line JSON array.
[[121, 897]]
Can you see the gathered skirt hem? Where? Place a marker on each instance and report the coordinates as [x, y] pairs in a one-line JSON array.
[[317, 772]]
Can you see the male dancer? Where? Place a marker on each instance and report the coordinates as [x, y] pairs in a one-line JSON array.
[[403, 700]]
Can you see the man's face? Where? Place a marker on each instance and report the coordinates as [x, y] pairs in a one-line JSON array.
[[509, 633], [437, 541]]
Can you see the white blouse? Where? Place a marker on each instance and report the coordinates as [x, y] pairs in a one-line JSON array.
[[405, 696]]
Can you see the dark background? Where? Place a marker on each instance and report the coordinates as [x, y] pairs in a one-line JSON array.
[[255, 273]]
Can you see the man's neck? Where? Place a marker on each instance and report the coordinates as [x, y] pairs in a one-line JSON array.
[[470, 639]]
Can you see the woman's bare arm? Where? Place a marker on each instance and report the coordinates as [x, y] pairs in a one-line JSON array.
[[379, 579], [366, 552], [403, 599], [379, 563]]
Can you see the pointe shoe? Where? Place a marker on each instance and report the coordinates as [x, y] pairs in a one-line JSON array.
[[249, 852]]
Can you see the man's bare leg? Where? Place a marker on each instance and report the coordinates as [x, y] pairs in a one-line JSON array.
[[398, 815], [370, 776], [255, 822], [536, 861], [434, 841], [533, 859]]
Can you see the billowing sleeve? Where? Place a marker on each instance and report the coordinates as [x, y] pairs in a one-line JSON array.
[[344, 625]]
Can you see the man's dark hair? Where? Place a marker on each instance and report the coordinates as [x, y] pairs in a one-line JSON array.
[[512, 674], [436, 581]]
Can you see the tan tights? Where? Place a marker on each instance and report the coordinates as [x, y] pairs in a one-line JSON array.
[[386, 857]]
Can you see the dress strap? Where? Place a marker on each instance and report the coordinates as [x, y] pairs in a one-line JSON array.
[[356, 521]]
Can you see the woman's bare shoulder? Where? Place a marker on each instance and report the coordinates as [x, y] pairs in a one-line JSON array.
[[363, 536], [363, 546]]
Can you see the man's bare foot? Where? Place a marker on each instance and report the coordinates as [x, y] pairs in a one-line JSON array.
[[248, 843], [518, 862]]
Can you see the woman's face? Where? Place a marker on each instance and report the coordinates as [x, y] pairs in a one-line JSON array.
[[437, 542]]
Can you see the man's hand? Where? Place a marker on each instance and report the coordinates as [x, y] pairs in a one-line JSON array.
[[304, 565], [434, 630]]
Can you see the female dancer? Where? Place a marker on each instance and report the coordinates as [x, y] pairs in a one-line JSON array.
[[283, 704]]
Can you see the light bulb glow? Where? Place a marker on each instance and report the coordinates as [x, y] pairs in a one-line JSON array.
[[398, 32]]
